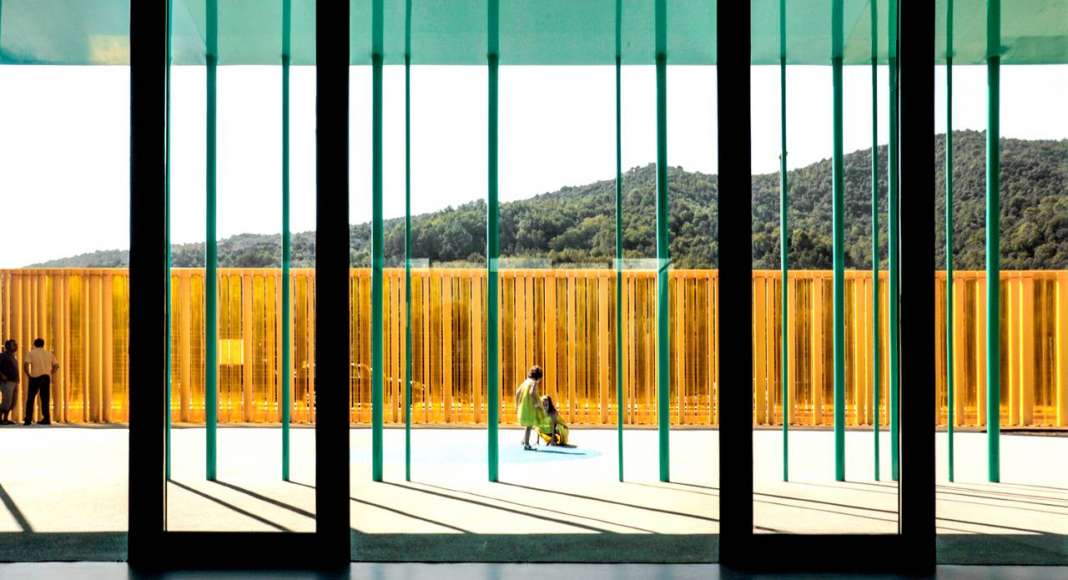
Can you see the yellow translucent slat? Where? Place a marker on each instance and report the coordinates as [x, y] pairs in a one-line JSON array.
[[562, 320]]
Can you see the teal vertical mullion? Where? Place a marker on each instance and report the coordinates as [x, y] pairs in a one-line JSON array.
[[784, 246], [619, 240], [211, 272], [875, 254], [993, 241], [167, 245], [950, 385], [838, 240], [376, 241], [492, 241], [285, 400], [407, 240], [663, 258], [893, 249]]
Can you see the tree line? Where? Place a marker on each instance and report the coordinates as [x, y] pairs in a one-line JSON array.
[[575, 226]]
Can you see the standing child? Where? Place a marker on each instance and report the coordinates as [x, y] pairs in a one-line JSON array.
[[527, 403]]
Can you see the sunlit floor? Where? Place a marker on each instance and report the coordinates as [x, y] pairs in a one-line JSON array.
[[66, 479]]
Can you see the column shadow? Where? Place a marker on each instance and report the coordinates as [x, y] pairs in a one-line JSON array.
[[394, 511], [230, 506], [13, 508]]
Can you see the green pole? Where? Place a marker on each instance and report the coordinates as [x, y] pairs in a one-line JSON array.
[[492, 244], [893, 249], [875, 335], [211, 292], [838, 185], [663, 258], [167, 244], [950, 385], [407, 241], [286, 401], [784, 246], [993, 240], [376, 241], [619, 240]]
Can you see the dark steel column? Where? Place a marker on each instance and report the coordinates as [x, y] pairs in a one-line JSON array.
[[332, 280], [148, 272], [917, 487], [735, 280]]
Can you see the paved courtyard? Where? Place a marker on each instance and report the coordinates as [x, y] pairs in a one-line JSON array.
[[71, 479]]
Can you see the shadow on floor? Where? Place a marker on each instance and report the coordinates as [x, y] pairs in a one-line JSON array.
[[1006, 549], [230, 506], [16, 513], [602, 548], [63, 547]]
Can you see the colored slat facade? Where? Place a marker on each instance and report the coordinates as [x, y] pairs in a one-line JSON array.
[[1039, 400]]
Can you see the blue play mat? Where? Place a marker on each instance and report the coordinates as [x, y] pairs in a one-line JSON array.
[[442, 451]]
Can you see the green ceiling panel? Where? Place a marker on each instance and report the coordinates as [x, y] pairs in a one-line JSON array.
[[532, 32], [1032, 31], [443, 32], [64, 32]]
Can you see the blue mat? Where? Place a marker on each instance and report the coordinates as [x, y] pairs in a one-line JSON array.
[[440, 452]]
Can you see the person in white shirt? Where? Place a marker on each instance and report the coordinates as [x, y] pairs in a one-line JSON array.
[[39, 366]]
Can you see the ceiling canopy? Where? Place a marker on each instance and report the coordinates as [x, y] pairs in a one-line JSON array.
[[532, 32]]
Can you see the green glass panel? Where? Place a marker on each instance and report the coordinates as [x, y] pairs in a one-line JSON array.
[[81, 32]]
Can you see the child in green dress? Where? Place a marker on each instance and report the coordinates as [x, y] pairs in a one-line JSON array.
[[527, 403]]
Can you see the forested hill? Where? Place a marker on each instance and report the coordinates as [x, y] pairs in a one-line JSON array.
[[575, 225]]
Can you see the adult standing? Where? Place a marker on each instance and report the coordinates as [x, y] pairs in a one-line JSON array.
[[39, 366], [9, 381]]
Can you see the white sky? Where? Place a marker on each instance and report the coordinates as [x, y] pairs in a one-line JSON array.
[[64, 138]]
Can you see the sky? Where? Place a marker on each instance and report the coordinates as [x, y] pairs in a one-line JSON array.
[[64, 138]]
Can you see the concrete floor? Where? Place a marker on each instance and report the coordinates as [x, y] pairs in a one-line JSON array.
[[103, 571], [65, 479]]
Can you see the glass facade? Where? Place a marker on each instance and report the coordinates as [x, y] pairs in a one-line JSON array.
[[554, 241]]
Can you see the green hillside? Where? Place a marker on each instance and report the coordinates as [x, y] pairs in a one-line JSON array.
[[575, 224]]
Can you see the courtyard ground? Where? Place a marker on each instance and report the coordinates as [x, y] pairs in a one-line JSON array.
[[63, 480]]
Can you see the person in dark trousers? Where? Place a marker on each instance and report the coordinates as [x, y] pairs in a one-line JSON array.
[[9, 381], [39, 366]]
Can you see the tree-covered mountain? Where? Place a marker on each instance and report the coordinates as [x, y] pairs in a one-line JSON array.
[[575, 225]]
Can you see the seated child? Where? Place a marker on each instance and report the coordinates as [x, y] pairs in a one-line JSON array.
[[551, 429]]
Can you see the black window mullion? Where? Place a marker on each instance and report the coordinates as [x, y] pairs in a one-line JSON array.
[[332, 280], [916, 495], [147, 498], [739, 546], [735, 282], [150, 545]]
